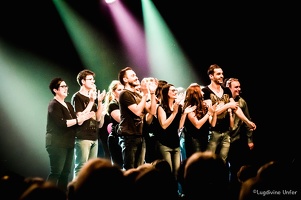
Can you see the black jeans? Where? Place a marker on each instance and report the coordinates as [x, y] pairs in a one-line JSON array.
[[133, 151], [61, 160]]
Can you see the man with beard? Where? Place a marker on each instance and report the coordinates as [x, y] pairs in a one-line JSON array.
[[133, 106]]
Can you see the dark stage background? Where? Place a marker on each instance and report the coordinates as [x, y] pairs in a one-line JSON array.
[[251, 42]]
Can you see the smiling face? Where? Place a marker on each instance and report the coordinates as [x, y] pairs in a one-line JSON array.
[[218, 76], [117, 91], [172, 92], [235, 88], [131, 78], [89, 82], [62, 90]]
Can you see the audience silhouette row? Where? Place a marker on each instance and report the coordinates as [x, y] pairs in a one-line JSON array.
[[203, 175]]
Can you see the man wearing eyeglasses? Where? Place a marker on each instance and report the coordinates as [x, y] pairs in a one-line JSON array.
[[86, 142]]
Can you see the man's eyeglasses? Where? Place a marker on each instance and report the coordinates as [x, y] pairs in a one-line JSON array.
[[64, 86], [90, 79]]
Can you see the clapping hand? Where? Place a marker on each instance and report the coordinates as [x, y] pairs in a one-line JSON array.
[[189, 109], [180, 98], [85, 116], [152, 85], [92, 94], [149, 85], [101, 96], [144, 86], [212, 108]]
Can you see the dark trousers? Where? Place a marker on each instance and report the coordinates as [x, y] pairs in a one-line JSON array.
[[132, 151], [61, 160]]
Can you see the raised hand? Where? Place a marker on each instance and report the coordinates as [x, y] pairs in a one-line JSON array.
[[152, 85], [101, 96], [189, 109], [180, 98], [144, 86], [149, 84], [212, 109], [92, 94]]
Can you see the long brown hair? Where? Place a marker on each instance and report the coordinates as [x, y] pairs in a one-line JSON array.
[[194, 97], [165, 97]]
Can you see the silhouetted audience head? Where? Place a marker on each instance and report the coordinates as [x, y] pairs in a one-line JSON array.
[[245, 172], [154, 181], [162, 165], [205, 177], [271, 177], [132, 174], [98, 177], [43, 190], [12, 185]]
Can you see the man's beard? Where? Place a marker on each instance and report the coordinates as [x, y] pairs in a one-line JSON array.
[[218, 82], [133, 84]]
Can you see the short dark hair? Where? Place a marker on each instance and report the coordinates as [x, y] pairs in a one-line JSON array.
[[82, 75], [55, 84], [122, 74], [211, 68]]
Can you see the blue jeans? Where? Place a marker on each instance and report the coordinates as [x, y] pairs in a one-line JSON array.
[[219, 141], [61, 160], [182, 147], [84, 150]]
